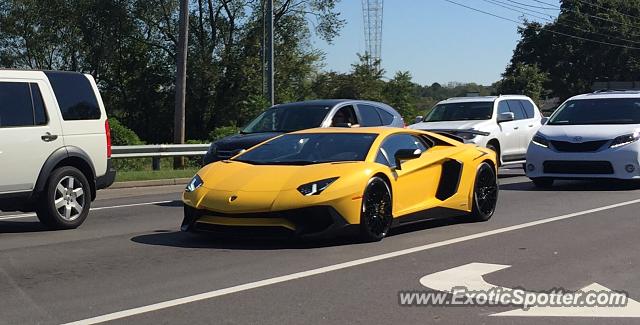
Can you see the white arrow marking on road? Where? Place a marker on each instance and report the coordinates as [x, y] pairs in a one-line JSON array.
[[471, 275]]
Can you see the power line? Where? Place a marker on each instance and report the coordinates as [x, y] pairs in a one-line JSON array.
[[508, 6], [543, 28], [537, 7]]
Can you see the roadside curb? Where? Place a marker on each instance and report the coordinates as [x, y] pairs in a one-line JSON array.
[[157, 182]]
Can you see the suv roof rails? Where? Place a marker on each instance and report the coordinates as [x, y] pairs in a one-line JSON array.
[[606, 90]]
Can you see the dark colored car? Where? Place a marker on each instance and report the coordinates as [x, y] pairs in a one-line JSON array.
[[291, 117]]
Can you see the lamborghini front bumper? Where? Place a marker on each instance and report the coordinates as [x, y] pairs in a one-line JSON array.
[[317, 221]]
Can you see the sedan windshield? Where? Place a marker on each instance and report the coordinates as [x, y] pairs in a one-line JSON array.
[[311, 148], [598, 111], [461, 112], [288, 119]]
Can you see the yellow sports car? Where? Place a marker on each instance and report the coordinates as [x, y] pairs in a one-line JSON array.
[[320, 181]]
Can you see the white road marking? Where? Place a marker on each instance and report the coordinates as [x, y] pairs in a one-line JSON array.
[[470, 277], [331, 268], [29, 215]]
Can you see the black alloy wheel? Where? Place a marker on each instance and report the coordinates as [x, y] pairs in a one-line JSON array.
[[376, 215]]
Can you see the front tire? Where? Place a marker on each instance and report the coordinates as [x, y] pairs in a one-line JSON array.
[[485, 193], [66, 199], [376, 215], [491, 146]]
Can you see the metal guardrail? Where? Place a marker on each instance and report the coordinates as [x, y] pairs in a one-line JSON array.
[[157, 151]]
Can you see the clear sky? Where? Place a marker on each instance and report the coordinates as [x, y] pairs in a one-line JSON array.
[[435, 40]]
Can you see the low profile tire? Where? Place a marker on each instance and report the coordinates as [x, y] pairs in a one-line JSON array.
[[66, 199], [485, 193], [375, 215], [543, 182]]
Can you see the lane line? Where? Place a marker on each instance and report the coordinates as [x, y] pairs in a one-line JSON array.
[[331, 268], [29, 215]]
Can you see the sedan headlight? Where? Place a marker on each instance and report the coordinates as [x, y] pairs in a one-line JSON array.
[[194, 184], [466, 135], [539, 140], [213, 149], [315, 188], [625, 140]]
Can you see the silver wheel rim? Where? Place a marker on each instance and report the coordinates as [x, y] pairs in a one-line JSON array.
[[69, 198]]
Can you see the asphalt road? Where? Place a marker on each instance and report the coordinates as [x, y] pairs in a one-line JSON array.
[[129, 259]]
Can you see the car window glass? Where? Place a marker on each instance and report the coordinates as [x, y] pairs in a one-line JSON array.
[[387, 118], [39, 112], [369, 115], [75, 96], [398, 142], [345, 116], [503, 107], [516, 109], [528, 108], [288, 118], [16, 108]]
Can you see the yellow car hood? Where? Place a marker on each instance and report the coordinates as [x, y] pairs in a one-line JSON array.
[[238, 176]]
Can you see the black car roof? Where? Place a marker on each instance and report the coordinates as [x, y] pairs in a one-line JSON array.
[[318, 102]]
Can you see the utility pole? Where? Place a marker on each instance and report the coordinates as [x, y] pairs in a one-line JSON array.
[[181, 80], [269, 53]]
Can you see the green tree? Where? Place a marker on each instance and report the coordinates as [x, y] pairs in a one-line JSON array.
[[524, 79]]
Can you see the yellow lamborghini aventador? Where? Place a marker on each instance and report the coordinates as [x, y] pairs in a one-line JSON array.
[[320, 181]]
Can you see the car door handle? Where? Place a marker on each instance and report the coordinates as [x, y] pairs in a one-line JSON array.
[[531, 125], [48, 137], [516, 127]]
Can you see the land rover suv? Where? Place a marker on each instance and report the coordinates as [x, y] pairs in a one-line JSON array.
[[55, 145]]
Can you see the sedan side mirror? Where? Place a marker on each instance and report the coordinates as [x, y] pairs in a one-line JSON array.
[[506, 117], [419, 118], [406, 154]]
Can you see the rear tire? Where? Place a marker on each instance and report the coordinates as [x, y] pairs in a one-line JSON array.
[[485, 193], [66, 199], [543, 182], [376, 215]]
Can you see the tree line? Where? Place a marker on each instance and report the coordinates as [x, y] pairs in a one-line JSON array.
[[129, 46], [590, 41]]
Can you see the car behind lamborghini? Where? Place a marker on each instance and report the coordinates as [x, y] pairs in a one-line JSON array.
[[323, 181]]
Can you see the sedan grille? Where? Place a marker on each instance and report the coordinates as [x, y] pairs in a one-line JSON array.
[[578, 167], [589, 146]]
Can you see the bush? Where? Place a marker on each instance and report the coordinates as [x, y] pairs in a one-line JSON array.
[[221, 132], [123, 136]]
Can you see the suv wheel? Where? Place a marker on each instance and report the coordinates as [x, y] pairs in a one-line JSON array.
[[66, 200]]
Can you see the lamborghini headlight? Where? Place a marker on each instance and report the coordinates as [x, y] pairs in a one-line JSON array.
[[315, 188], [625, 140], [194, 184]]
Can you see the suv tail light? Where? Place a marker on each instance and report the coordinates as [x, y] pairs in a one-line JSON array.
[[107, 131]]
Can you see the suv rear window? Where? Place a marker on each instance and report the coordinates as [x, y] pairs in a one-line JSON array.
[[75, 96], [21, 105]]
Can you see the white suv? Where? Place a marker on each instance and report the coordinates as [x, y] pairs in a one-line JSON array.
[[589, 136], [55, 145], [504, 124]]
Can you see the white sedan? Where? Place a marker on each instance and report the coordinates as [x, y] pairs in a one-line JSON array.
[[590, 136]]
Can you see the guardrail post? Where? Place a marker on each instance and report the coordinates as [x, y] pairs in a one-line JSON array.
[[155, 163]]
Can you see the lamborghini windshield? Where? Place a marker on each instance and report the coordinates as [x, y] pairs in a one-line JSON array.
[[598, 111], [311, 148], [288, 119], [461, 112]]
